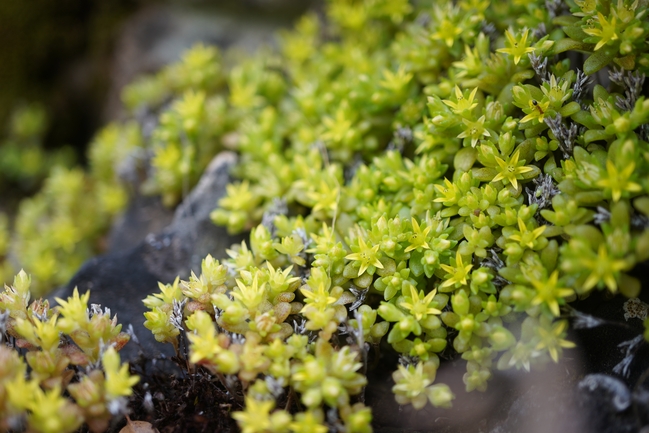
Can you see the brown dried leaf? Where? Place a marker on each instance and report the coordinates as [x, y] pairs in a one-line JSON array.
[[138, 427]]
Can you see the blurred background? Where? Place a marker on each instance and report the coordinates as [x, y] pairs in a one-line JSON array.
[[63, 65]]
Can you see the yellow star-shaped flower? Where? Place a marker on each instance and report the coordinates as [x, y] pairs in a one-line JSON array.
[[548, 293], [606, 32], [420, 307], [366, 255], [516, 48], [251, 296], [511, 170], [418, 238], [552, 339], [536, 110], [618, 180], [526, 237], [255, 417], [603, 269], [463, 104], [458, 273]]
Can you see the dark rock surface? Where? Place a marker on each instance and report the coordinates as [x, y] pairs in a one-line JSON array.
[[143, 215], [120, 279], [608, 400]]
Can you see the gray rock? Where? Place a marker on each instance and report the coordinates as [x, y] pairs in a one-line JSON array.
[[182, 246], [144, 215], [607, 400], [120, 279], [612, 388]]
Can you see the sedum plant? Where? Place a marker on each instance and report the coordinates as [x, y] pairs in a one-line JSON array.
[[439, 179], [234, 316], [444, 177], [62, 225], [60, 366], [24, 163]]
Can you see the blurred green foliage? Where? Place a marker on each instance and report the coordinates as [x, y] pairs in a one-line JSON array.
[[449, 158], [448, 176]]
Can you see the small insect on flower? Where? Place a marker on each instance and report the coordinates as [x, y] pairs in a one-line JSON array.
[[537, 110]]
